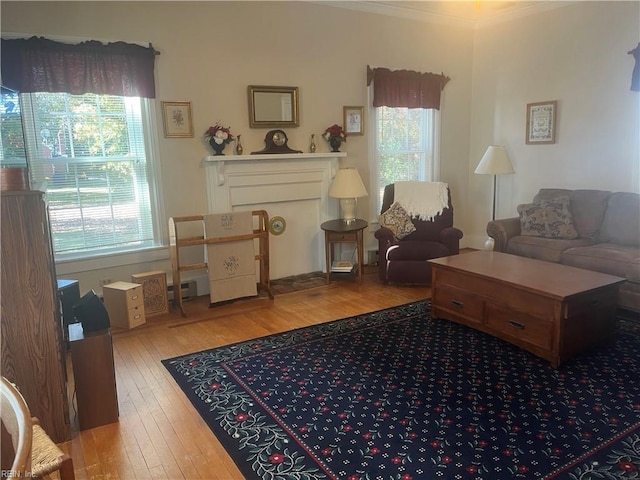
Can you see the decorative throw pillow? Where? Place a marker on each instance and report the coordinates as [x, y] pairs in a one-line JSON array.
[[548, 219], [397, 220]]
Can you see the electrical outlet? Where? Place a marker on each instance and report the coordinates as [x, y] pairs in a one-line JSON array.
[[105, 281]]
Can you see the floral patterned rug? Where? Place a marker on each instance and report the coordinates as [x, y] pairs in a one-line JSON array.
[[394, 394]]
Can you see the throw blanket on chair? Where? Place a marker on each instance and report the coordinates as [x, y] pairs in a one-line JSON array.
[[232, 266], [424, 200]]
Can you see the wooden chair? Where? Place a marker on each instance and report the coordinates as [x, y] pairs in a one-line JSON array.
[[16, 431], [35, 454]]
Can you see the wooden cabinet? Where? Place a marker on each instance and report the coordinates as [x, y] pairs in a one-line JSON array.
[[94, 376], [125, 304], [551, 310], [32, 347]]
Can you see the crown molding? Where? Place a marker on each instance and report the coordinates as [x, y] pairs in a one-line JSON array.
[[398, 10], [524, 11]]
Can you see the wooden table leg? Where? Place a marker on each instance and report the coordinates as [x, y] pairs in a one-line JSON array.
[[360, 247], [327, 255]]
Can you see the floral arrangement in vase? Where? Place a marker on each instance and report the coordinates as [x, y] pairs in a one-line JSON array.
[[218, 137], [335, 135]]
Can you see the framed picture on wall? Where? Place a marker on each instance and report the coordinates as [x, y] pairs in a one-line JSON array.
[[541, 123], [176, 119], [353, 120]]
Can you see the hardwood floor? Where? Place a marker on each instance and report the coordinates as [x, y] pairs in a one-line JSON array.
[[160, 434]]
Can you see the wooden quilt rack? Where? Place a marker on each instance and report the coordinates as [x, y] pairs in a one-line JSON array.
[[175, 243]]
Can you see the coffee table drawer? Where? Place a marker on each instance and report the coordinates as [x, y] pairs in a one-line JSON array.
[[509, 325], [459, 302]]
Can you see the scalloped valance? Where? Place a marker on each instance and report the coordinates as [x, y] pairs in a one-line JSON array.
[[37, 64], [405, 88]]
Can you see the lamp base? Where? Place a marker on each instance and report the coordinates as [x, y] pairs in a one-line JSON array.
[[348, 208], [489, 243]]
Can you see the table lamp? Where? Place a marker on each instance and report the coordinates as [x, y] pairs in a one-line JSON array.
[[495, 161], [348, 187]]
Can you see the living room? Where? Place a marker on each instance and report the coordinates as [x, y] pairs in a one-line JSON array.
[[574, 53], [211, 52]]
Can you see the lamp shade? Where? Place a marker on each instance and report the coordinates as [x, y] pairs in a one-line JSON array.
[[495, 161], [347, 184]]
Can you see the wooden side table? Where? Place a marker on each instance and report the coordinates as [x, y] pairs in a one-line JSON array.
[[338, 231]]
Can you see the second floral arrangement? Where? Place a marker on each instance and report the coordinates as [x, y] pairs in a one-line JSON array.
[[218, 137], [335, 135]]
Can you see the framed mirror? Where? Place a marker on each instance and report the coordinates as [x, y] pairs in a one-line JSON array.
[[273, 106]]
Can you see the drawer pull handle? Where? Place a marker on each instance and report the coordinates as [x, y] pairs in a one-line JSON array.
[[135, 317], [134, 297], [457, 303], [518, 325]]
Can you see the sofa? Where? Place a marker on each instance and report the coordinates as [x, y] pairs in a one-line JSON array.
[[590, 229]]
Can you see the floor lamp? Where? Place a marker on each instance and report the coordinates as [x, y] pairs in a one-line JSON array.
[[495, 161]]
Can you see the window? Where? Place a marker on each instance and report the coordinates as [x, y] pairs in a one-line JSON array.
[[405, 147], [12, 154], [91, 154]]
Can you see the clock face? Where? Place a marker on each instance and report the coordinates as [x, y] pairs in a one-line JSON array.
[[277, 225], [279, 138]]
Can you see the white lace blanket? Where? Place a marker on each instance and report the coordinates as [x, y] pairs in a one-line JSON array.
[[424, 200]]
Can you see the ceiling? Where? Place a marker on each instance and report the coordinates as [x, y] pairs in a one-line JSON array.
[[474, 13]]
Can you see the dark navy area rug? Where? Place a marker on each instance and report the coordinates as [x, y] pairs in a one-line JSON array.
[[394, 394]]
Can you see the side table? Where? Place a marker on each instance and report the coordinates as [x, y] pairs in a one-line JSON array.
[[338, 231]]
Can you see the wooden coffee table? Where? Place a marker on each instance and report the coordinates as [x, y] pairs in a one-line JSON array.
[[551, 310]]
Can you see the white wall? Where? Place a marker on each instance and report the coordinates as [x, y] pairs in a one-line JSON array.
[[576, 55], [211, 51]]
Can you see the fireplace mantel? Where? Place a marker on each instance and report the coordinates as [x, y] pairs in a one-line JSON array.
[[222, 160], [293, 186]]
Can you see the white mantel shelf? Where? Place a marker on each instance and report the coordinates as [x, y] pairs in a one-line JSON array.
[[272, 156], [221, 160]]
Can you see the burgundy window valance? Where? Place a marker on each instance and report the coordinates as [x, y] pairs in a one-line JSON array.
[[405, 88], [37, 64]]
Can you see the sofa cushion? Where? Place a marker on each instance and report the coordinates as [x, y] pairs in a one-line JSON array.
[[397, 220], [547, 249], [610, 258], [621, 222], [587, 208], [548, 219]]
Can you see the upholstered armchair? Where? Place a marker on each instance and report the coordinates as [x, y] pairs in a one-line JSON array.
[[404, 260]]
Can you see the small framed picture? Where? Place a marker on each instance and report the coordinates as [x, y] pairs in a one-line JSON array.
[[353, 120], [176, 119], [541, 123]]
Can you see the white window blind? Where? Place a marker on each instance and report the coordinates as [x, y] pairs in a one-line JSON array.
[[90, 154], [405, 146]]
